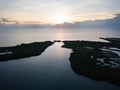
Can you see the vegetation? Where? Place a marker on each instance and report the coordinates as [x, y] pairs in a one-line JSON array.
[[23, 50], [96, 60]]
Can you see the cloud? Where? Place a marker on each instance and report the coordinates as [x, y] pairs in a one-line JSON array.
[[107, 23], [45, 9], [7, 21]]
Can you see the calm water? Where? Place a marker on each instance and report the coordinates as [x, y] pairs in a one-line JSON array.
[[50, 70], [26, 35]]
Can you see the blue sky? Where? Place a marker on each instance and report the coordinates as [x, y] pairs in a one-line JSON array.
[[57, 11]]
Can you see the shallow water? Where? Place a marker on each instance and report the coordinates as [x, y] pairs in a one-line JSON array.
[[50, 70]]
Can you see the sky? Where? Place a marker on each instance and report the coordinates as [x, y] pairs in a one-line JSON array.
[[56, 11]]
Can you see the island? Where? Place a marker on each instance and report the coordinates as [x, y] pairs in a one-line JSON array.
[[23, 50], [96, 60]]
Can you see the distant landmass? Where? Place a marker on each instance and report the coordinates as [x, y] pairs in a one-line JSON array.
[[107, 23]]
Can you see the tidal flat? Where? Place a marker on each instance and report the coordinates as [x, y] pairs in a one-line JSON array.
[[93, 59], [96, 60], [23, 50]]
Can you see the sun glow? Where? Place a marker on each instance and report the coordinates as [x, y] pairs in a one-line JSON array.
[[60, 19]]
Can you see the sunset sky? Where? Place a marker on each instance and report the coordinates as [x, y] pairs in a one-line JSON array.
[[56, 11]]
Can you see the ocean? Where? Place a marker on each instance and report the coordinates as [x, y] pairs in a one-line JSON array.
[[51, 70]]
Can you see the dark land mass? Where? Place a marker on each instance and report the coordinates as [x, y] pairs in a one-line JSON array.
[[96, 60], [23, 50]]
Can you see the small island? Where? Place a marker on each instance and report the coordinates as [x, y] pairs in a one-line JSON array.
[[23, 50], [96, 60]]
